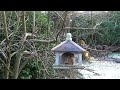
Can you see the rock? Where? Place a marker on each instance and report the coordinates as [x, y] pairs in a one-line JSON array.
[[99, 47], [117, 60], [105, 47]]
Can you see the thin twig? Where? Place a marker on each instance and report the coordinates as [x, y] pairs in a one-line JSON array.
[[22, 66], [42, 41], [58, 15], [62, 25], [5, 66]]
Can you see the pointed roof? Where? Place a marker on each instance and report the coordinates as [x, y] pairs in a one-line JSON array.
[[68, 46]]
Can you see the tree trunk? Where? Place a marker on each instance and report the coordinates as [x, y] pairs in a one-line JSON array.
[[8, 46]]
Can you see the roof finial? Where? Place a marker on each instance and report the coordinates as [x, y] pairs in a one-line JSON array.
[[69, 36]]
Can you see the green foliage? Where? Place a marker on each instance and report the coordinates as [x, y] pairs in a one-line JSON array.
[[34, 69], [43, 23], [111, 30], [108, 25], [2, 70]]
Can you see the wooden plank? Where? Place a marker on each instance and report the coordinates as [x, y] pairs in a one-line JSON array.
[[79, 28], [68, 67]]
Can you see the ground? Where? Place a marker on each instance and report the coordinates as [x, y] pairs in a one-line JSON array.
[[106, 69]]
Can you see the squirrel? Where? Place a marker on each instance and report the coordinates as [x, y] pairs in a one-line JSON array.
[[68, 58], [86, 54], [83, 44]]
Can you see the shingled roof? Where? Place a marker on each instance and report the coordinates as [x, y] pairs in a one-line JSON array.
[[68, 46]]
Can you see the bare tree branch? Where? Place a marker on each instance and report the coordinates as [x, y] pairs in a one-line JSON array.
[[5, 66], [62, 24]]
